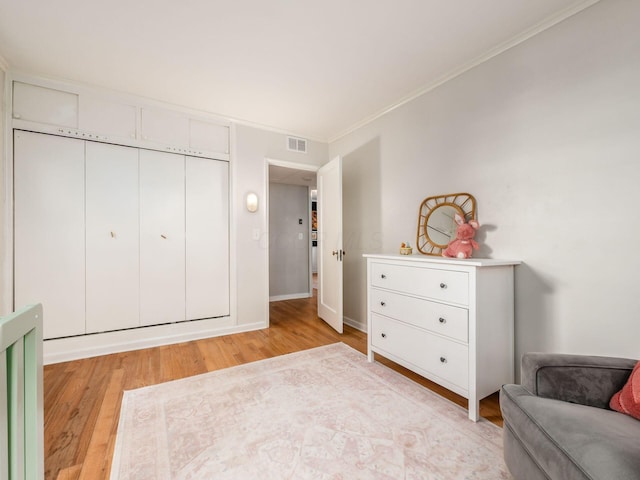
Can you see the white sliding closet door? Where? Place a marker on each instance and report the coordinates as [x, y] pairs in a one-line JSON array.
[[49, 230], [112, 235], [162, 238], [207, 238]]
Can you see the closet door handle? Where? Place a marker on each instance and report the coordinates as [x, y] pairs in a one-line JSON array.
[[113, 234], [383, 335], [443, 360], [382, 304], [383, 276], [442, 320], [443, 285], [163, 236]]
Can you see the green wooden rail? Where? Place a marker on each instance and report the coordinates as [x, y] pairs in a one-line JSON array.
[[21, 398]]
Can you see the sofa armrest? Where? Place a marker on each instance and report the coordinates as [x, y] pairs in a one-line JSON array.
[[583, 379]]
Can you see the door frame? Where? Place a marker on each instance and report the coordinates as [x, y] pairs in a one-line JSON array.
[[294, 166]]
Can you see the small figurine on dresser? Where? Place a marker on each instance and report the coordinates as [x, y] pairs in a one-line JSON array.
[[464, 244], [405, 249]]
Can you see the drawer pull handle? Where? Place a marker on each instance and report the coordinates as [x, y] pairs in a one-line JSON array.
[[442, 320], [383, 335], [443, 360], [382, 303], [443, 285], [383, 276]]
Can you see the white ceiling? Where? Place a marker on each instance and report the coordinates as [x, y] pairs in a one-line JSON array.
[[292, 176], [315, 68]]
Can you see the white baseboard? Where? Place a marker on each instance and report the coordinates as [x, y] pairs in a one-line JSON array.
[[292, 296], [85, 346], [362, 326]]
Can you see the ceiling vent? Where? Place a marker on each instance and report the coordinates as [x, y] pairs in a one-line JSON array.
[[297, 144]]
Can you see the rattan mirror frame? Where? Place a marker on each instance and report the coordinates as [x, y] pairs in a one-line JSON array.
[[464, 203]]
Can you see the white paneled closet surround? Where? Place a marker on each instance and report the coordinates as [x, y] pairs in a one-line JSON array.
[[121, 221]]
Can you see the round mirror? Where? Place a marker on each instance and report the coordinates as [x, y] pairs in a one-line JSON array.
[[436, 220], [441, 224]]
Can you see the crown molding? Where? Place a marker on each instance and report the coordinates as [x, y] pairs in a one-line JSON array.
[[281, 131], [497, 50]]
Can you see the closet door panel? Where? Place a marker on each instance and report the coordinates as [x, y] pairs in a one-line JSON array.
[[207, 238], [49, 230], [162, 238], [164, 127], [112, 237], [105, 117], [45, 105], [208, 136]]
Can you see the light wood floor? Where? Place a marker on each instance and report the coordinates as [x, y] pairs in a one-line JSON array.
[[82, 398]]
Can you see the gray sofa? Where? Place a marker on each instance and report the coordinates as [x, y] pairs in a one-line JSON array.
[[558, 425]]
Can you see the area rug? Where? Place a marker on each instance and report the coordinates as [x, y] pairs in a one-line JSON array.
[[324, 413]]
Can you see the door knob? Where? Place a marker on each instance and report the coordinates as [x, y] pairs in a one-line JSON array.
[[335, 252]]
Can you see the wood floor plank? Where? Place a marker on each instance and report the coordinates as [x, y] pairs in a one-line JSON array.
[[70, 473], [97, 462], [89, 407], [82, 398], [69, 414]]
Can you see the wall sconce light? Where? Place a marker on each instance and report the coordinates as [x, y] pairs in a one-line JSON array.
[[252, 202]]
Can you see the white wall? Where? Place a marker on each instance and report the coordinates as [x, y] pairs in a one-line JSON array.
[[546, 136], [288, 252], [252, 147], [362, 225]]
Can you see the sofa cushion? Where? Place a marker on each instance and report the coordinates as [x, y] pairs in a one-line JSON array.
[[627, 400], [570, 441]]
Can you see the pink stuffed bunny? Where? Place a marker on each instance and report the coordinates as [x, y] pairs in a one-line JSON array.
[[464, 244]]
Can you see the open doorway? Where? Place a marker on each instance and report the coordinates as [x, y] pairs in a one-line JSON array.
[[314, 238], [290, 218]]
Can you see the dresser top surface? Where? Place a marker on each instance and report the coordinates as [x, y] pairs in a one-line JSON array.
[[472, 262]]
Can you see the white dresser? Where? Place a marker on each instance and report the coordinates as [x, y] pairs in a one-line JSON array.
[[449, 320]]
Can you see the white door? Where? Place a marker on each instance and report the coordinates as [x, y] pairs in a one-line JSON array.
[[162, 238], [49, 230], [112, 236], [330, 253], [207, 238]]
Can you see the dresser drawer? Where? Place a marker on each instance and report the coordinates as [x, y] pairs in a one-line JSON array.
[[444, 285], [444, 358], [437, 317]]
